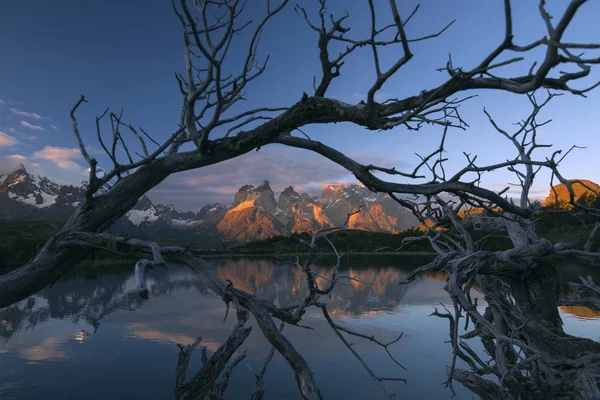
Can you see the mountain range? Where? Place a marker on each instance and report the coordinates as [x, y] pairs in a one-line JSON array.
[[254, 214]]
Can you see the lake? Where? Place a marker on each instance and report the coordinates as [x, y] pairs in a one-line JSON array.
[[92, 336]]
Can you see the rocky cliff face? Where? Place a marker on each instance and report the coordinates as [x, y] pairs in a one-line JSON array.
[[585, 192], [379, 212], [262, 196], [254, 214], [257, 215], [249, 221]]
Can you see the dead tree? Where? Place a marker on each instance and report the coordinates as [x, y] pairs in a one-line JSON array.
[[531, 356], [214, 126]]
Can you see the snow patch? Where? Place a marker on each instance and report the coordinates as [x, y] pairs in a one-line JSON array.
[[371, 199], [47, 199], [139, 216], [185, 223]]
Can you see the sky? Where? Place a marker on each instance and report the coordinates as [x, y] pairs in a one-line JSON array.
[[125, 53]]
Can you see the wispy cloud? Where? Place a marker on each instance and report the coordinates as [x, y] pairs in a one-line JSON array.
[[2, 102], [22, 113], [6, 140], [30, 126], [45, 166], [10, 163], [54, 127], [13, 130], [61, 156]]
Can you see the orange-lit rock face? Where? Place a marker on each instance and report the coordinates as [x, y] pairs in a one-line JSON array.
[[306, 217], [319, 215], [256, 215], [247, 222], [559, 194], [301, 221], [262, 196], [373, 218]]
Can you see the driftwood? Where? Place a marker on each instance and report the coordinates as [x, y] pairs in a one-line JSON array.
[[204, 381]]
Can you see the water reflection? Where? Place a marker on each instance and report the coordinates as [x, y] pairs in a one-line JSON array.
[[96, 329]]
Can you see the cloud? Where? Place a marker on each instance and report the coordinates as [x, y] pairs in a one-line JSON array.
[[13, 130], [30, 126], [2, 102], [6, 140], [61, 156], [22, 113], [50, 349], [54, 127], [10, 163], [43, 163]]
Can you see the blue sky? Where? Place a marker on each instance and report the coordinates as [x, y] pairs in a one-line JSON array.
[[124, 53]]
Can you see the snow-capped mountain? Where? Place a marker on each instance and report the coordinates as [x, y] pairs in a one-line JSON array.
[[24, 196], [254, 214]]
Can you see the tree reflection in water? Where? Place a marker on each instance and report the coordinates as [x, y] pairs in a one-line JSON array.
[[90, 296]]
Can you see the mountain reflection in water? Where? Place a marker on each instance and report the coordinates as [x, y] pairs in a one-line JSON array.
[[92, 336]]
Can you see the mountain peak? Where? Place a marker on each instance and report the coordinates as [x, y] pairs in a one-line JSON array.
[[584, 190], [246, 188], [254, 214], [287, 198], [265, 186], [262, 196], [289, 191]]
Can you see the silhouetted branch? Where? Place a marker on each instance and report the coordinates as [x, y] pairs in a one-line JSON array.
[[205, 380]]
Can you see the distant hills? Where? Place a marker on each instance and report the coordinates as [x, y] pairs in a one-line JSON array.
[[254, 214]]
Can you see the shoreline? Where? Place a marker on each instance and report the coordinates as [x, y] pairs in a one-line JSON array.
[[133, 260]]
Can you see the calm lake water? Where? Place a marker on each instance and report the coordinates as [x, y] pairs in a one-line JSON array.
[[91, 336]]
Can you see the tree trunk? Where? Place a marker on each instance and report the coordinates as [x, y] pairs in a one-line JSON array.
[[568, 367]]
